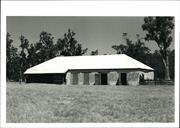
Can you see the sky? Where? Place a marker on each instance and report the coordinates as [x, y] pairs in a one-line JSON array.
[[92, 32]]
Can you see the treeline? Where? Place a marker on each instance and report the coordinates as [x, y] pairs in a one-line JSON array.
[[158, 29], [31, 54], [137, 50]]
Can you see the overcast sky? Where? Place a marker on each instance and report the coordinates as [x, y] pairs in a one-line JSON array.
[[92, 32]]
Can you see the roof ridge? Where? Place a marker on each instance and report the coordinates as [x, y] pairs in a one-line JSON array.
[[93, 55]]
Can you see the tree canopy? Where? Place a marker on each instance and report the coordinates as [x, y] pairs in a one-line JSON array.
[[136, 49], [31, 54], [160, 29], [69, 46], [140, 52], [12, 60], [94, 52], [44, 48]]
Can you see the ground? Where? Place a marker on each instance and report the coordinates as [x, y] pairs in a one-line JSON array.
[[85, 103]]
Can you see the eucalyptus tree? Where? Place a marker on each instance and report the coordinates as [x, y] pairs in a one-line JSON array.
[[160, 30], [69, 46]]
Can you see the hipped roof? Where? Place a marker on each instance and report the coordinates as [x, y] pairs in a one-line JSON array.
[[64, 63]]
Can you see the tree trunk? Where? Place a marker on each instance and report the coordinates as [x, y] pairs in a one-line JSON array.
[[166, 66]]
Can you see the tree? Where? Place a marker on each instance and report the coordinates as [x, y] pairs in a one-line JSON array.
[[171, 63], [159, 29], [23, 56], [153, 61], [12, 60], [69, 46], [9, 42], [136, 50], [45, 48], [94, 52], [32, 57]]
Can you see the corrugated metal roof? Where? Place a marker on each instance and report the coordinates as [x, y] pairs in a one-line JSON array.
[[63, 64]]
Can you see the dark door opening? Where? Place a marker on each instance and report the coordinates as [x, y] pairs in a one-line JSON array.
[[124, 78], [104, 79]]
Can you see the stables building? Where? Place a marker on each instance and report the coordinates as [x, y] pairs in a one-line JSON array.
[[90, 70]]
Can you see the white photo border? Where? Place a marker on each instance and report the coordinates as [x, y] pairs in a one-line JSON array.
[[88, 8]]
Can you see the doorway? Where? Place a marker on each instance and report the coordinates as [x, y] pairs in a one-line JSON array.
[[124, 78], [75, 78], [104, 79], [86, 78], [97, 79]]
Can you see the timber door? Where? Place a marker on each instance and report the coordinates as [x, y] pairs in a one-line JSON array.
[[75, 78], [97, 79], [86, 78]]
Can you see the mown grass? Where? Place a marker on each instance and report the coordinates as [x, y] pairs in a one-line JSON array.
[[83, 103]]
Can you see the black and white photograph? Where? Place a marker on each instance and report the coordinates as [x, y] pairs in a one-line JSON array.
[[90, 69]]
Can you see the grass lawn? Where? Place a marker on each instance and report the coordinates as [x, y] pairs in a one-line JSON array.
[[76, 103]]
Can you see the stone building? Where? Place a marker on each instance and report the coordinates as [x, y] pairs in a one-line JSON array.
[[90, 70]]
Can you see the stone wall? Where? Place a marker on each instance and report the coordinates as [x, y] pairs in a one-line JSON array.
[[112, 78], [68, 78], [133, 78], [148, 75], [94, 78]]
